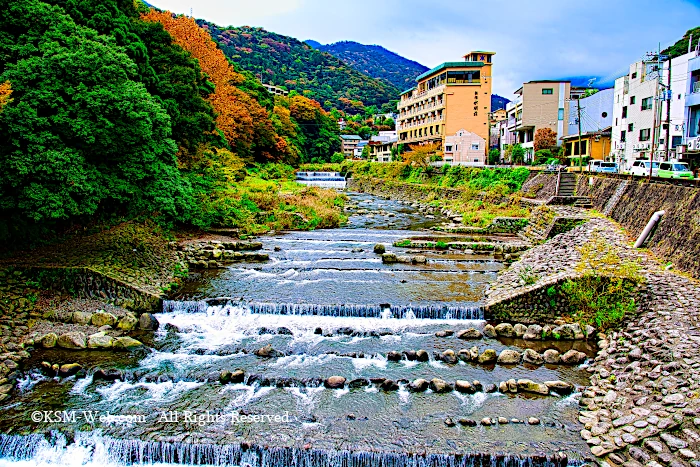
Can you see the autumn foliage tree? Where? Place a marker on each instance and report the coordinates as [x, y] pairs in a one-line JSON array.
[[545, 138], [5, 93], [421, 155], [245, 124]]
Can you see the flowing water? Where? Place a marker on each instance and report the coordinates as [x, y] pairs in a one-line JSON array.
[[327, 305]]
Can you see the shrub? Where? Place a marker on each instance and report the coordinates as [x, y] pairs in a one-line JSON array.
[[337, 158], [604, 295]]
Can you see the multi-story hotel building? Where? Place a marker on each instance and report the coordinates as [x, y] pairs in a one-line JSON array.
[[451, 97]]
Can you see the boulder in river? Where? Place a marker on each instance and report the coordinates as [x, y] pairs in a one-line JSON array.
[[48, 341], [393, 356], [422, 355], [69, 369], [470, 333], [126, 343], [335, 382], [72, 340], [440, 386], [148, 322], [102, 318], [532, 357], [449, 357], [505, 330], [560, 387], [389, 258], [488, 356], [379, 249], [573, 357], [509, 357], [358, 383], [389, 385], [490, 331], [100, 340], [527, 385], [418, 385], [465, 387], [552, 356], [127, 323], [268, 352]]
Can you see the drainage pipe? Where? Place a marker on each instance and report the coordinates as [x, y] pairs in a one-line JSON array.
[[647, 230]]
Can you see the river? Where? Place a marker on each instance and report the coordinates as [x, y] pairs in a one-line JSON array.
[[326, 305]]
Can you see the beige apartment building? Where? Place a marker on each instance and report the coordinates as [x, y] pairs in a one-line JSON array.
[[465, 148], [540, 104], [451, 97]]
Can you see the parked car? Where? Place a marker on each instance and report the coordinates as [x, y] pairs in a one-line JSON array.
[[605, 167], [674, 170], [641, 168]]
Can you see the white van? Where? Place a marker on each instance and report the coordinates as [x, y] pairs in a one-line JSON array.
[[641, 168]]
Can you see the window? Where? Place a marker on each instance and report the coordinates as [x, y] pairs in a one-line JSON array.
[[634, 75], [548, 91], [665, 166], [623, 136], [646, 103], [448, 148], [624, 112], [475, 146], [645, 134], [633, 99], [476, 160], [630, 127], [676, 141], [561, 114]]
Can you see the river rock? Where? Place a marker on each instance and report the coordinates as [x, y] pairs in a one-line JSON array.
[[552, 356], [72, 340], [225, 377], [69, 369], [533, 421], [100, 341], [490, 331], [379, 249], [102, 318], [519, 330], [393, 356], [148, 322], [465, 387], [237, 376], [358, 383], [268, 352], [512, 385], [335, 382], [449, 357], [388, 385], [509, 357], [533, 333], [418, 385], [444, 333], [560, 387], [48, 341], [419, 259], [488, 356], [532, 357], [107, 375], [673, 399], [126, 343], [527, 385], [440, 386], [389, 258], [410, 355], [127, 323], [470, 333], [505, 330], [82, 317], [564, 332], [573, 357], [422, 355]]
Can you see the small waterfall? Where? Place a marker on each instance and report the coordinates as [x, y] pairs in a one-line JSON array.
[[459, 312], [322, 179], [96, 449]]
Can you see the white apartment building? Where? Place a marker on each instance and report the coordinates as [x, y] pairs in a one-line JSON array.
[[465, 148], [640, 110]]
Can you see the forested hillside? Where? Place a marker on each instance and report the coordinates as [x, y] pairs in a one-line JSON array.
[[377, 62], [285, 61], [106, 115]]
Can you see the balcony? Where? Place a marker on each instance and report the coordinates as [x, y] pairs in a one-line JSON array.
[[695, 88]]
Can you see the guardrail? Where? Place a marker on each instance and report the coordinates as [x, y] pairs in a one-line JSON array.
[[667, 181]]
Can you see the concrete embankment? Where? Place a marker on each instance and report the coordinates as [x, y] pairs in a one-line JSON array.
[[631, 203]]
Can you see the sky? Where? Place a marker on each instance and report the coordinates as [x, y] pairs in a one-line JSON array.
[[533, 39]]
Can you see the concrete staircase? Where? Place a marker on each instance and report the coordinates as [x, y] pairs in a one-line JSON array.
[[567, 184]]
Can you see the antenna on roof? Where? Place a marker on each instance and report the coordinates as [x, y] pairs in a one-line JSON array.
[[191, 16]]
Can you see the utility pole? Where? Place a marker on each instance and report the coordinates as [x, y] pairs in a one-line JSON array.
[[580, 148], [656, 109], [668, 97]]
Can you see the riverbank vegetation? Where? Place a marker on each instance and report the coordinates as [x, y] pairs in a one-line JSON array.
[[483, 193]]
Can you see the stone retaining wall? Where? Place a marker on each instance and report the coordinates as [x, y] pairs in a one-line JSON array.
[[401, 191], [540, 186], [83, 282]]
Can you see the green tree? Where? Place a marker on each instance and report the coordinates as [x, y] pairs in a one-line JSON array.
[[517, 153], [338, 158], [81, 136], [494, 156]]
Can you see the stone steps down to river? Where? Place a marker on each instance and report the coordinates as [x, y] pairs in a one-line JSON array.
[[548, 221], [525, 292], [214, 254]]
